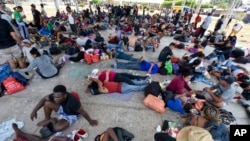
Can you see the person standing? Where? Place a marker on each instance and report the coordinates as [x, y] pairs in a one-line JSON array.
[[43, 12], [21, 24], [9, 50], [71, 19], [197, 20], [190, 16], [219, 24], [205, 25], [37, 17]]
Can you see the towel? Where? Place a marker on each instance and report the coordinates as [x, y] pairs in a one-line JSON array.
[[122, 97], [6, 130]]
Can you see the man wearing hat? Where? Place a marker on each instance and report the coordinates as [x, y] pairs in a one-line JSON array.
[[37, 17], [5, 12], [221, 94]]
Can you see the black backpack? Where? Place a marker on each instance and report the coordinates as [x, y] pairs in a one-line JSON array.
[[138, 48], [236, 53], [55, 50], [153, 88], [181, 46], [122, 135], [164, 55]]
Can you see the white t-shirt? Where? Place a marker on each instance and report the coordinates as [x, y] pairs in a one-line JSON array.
[[238, 26], [82, 41], [26, 52], [71, 19]]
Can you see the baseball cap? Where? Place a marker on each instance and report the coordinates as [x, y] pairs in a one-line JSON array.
[[94, 71], [26, 41], [33, 5], [229, 79]]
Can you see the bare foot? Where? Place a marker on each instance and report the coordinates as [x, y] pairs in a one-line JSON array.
[[16, 129], [44, 122]]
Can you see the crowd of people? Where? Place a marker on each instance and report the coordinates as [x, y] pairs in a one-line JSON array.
[[19, 47]]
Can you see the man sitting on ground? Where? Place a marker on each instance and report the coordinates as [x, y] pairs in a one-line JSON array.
[[65, 104], [221, 94]]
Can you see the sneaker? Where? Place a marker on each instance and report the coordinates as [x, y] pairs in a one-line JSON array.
[[149, 78], [243, 103], [158, 129]]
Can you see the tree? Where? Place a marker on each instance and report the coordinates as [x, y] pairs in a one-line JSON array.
[[96, 1]]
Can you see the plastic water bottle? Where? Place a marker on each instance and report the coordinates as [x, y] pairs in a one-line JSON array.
[[115, 67]]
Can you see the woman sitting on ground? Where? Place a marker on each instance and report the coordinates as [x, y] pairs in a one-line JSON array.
[[44, 65], [179, 83]]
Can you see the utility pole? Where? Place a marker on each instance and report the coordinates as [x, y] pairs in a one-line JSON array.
[[56, 4], [198, 7], [229, 14]]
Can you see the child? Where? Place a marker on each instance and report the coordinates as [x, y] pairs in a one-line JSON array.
[[26, 47]]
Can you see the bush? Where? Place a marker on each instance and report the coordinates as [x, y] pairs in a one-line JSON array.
[[168, 3]]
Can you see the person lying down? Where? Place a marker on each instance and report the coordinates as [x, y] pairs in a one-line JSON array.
[[95, 86]]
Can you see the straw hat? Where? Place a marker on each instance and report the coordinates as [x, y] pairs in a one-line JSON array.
[[194, 133]]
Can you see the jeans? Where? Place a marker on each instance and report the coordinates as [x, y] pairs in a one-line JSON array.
[[122, 55], [129, 65], [128, 78], [140, 86], [229, 63], [217, 54], [23, 31]]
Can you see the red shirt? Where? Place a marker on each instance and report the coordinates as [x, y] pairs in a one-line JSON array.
[[177, 85], [113, 87], [102, 76], [129, 28], [198, 19]]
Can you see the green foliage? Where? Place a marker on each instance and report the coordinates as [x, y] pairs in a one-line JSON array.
[[168, 3], [96, 1]]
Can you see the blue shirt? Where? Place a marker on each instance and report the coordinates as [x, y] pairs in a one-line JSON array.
[[146, 65], [207, 22]]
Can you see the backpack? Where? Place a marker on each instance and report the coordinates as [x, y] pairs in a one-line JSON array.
[[169, 67], [175, 68], [180, 46], [153, 88], [72, 50], [55, 50], [236, 53], [138, 48], [164, 55], [163, 71], [122, 135]]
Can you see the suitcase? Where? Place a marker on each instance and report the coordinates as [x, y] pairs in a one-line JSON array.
[[154, 103]]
